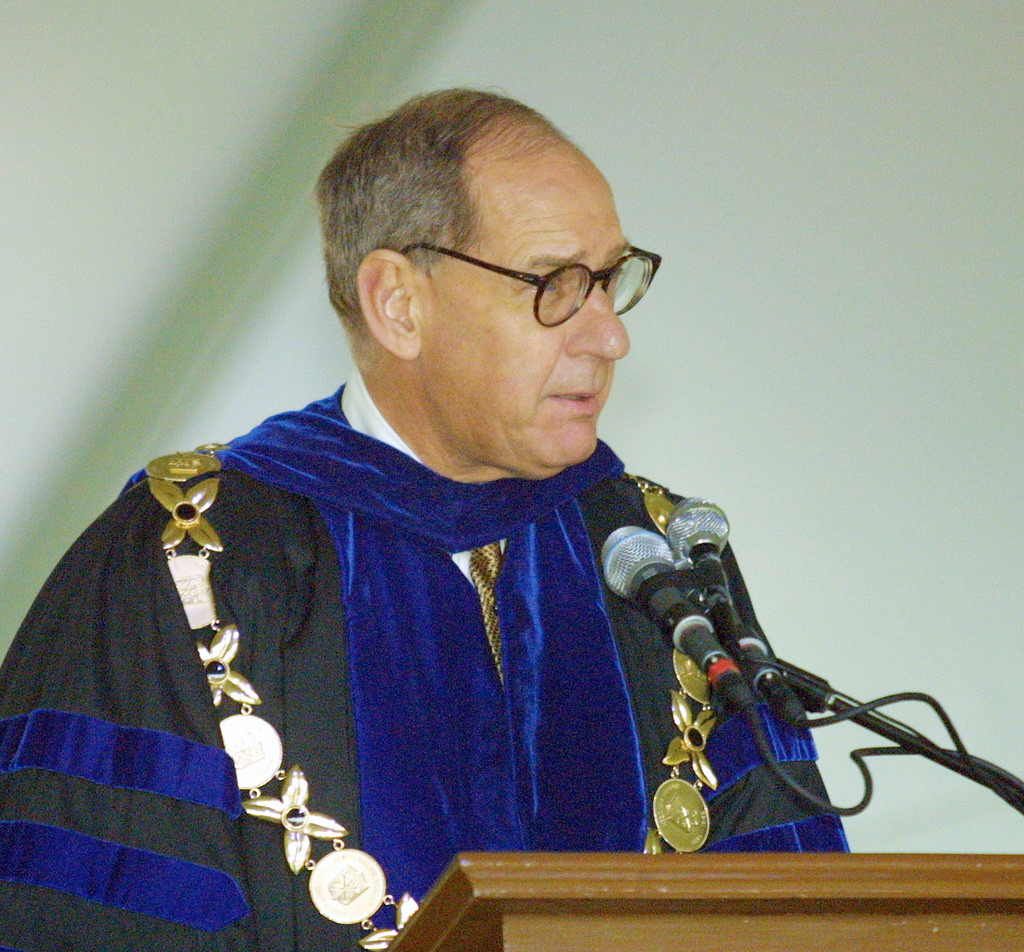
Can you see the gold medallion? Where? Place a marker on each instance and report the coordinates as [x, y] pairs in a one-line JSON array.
[[179, 467], [681, 815], [691, 679], [347, 886], [254, 746]]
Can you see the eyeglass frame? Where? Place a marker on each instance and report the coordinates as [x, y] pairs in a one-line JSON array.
[[541, 281]]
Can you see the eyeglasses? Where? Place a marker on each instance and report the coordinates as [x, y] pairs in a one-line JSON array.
[[561, 293]]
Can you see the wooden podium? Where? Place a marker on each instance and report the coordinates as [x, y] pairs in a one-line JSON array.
[[764, 902]]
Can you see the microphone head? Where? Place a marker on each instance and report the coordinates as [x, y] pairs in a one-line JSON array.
[[696, 522], [631, 555]]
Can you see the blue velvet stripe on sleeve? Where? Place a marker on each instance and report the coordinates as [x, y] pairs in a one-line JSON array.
[[133, 758], [121, 876], [816, 834], [733, 751]]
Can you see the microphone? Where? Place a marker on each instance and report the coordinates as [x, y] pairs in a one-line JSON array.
[[758, 662], [639, 566], [698, 530]]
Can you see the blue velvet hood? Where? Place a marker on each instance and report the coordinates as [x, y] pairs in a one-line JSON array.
[[450, 760]]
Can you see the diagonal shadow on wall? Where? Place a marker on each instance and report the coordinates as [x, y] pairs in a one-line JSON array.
[[198, 324]]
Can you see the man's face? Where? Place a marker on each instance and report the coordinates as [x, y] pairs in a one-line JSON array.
[[504, 395]]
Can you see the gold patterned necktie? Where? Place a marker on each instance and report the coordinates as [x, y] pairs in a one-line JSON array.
[[484, 565]]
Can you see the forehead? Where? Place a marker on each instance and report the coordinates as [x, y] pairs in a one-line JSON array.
[[548, 203]]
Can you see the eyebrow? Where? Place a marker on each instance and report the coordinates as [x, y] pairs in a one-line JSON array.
[[552, 262]]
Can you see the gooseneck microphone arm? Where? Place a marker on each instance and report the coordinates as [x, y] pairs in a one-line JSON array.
[[818, 696]]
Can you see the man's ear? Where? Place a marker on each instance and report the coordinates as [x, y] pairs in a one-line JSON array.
[[390, 299]]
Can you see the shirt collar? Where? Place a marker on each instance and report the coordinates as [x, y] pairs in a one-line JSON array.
[[363, 416]]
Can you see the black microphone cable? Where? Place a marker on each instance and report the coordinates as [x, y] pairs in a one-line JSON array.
[[683, 588]]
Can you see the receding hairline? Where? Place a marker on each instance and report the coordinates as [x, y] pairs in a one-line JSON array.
[[520, 140], [511, 137]]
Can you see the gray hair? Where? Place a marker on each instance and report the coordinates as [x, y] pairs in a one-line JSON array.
[[400, 180]]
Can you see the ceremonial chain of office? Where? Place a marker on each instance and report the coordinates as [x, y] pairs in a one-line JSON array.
[[680, 814], [346, 885]]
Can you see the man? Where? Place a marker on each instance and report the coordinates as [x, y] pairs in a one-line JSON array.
[[385, 701]]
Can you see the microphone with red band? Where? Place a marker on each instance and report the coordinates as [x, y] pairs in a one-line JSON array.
[[639, 566]]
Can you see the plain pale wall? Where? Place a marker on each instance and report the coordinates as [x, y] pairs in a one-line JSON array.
[[832, 350]]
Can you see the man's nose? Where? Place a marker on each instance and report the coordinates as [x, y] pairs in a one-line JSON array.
[[596, 329]]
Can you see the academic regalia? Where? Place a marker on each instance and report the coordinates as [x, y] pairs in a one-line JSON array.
[[121, 824]]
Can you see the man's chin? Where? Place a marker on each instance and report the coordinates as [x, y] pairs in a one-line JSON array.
[[569, 453]]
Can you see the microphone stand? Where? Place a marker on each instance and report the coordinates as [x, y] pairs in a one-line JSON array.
[[818, 696]]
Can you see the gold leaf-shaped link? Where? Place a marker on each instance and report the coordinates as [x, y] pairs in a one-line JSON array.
[[295, 788], [703, 770], [653, 845], [657, 502], [682, 713], [404, 910], [203, 494], [297, 847], [172, 536], [677, 753], [239, 689], [295, 791], [224, 644], [166, 493], [379, 940], [324, 827], [264, 808], [659, 507], [201, 497], [705, 722], [206, 536], [223, 648]]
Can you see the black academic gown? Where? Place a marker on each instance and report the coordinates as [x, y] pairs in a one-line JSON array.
[[107, 639]]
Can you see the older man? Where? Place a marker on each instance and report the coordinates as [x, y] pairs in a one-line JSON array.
[[385, 607]]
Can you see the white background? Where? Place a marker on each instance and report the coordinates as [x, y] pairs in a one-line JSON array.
[[832, 351]]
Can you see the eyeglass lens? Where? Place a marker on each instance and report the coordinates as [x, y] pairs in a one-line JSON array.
[[568, 289]]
